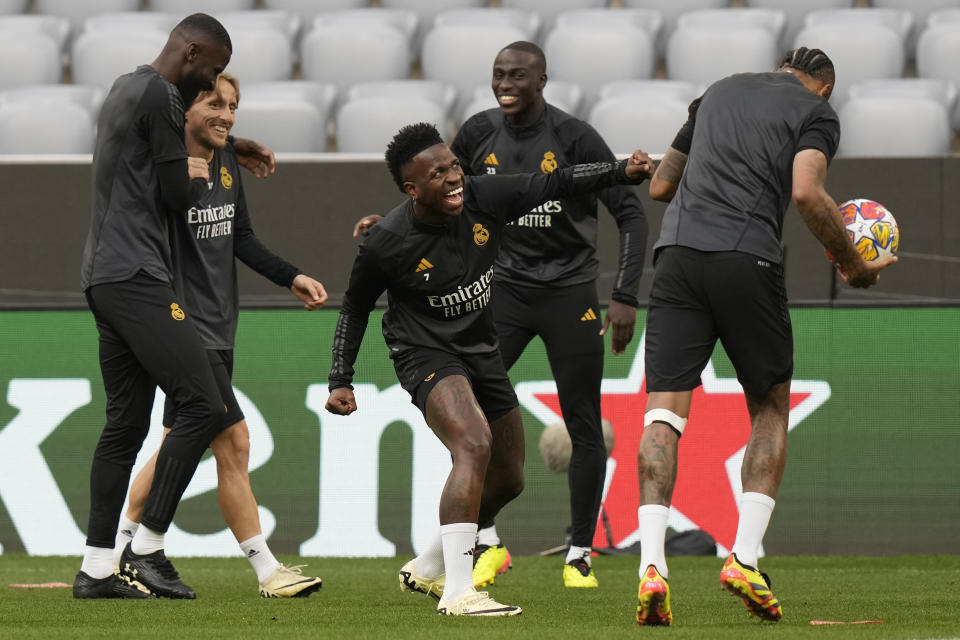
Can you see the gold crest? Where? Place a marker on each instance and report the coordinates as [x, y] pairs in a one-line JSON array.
[[430, 377], [480, 235], [549, 162], [225, 178], [177, 312]]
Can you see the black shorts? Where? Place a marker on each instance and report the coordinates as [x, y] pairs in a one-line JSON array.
[[699, 297], [221, 361], [419, 370]]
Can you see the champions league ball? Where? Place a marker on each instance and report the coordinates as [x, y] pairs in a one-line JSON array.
[[871, 227], [556, 448]]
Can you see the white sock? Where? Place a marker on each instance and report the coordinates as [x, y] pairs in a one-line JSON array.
[[429, 564], [97, 562], [260, 557], [653, 534], [146, 541], [124, 536], [488, 536], [755, 511], [575, 552], [458, 540]]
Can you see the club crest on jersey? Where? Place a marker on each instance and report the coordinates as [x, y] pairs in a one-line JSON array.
[[480, 235], [177, 312], [225, 178], [549, 162], [491, 163]]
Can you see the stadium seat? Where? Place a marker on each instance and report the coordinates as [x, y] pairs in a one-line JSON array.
[[900, 20], [550, 9], [773, 20], [651, 90], [99, 57], [938, 50], [213, 7], [796, 13], [321, 96], [940, 16], [922, 10], [627, 124], [344, 57], [28, 58], [647, 19], [405, 21], [427, 9], [942, 91], [310, 9], [893, 127], [566, 96], [282, 124], [132, 20], [671, 10], [260, 54], [884, 58], [445, 95], [45, 127], [13, 6], [368, 124], [600, 55], [702, 55], [463, 55], [527, 21], [286, 22], [56, 27], [76, 11], [90, 98]]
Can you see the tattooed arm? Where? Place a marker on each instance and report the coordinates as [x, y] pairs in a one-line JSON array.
[[664, 183], [822, 217]]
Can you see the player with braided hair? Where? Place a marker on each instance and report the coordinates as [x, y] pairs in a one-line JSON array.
[[751, 143]]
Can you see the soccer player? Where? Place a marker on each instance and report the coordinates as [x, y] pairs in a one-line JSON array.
[[751, 143], [546, 279], [434, 255], [141, 177], [209, 236]]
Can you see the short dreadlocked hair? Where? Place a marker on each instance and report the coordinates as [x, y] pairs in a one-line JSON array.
[[407, 143], [812, 62]]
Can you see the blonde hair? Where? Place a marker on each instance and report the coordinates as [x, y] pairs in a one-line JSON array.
[[233, 82]]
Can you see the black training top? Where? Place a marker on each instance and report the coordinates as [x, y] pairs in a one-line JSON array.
[[741, 137], [207, 237], [437, 277], [555, 243], [140, 127]]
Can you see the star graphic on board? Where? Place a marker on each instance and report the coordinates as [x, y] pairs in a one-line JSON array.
[[710, 453]]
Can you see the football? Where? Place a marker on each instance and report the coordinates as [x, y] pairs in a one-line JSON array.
[[871, 227]]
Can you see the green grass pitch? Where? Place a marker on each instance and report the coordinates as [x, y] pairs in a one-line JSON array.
[[913, 596]]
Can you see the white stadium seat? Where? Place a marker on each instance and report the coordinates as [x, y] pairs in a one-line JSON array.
[[938, 50], [853, 61], [368, 124], [442, 93], [260, 54], [100, 57], [57, 27], [702, 55], [773, 20], [922, 10], [310, 9], [893, 127], [344, 57], [527, 21], [671, 10], [286, 22], [45, 128], [405, 21], [941, 16], [463, 55], [28, 58], [321, 96], [132, 20], [651, 90], [796, 12], [550, 9], [90, 98], [76, 11], [600, 55], [900, 20], [626, 123], [942, 91], [647, 19], [13, 6], [282, 124], [186, 7]]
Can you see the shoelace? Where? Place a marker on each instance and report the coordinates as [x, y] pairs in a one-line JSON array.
[[580, 564], [297, 568], [166, 569]]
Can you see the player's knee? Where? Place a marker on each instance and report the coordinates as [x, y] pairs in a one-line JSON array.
[[232, 448], [475, 445], [667, 417], [120, 443]]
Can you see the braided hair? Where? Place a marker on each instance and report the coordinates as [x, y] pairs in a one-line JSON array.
[[812, 62], [407, 143]]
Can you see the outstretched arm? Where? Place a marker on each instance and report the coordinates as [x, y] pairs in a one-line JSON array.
[[822, 217]]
